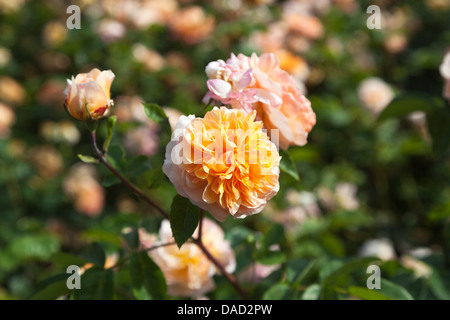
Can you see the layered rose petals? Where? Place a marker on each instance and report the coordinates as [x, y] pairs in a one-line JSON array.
[[258, 83], [224, 163]]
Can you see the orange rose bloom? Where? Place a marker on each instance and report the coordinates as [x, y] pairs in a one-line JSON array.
[[224, 163]]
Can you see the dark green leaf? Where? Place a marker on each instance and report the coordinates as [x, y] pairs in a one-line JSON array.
[[51, 288], [65, 259], [287, 165], [184, 217], [273, 236], [96, 284], [145, 273], [438, 125], [152, 178], [331, 278], [280, 291], [437, 286], [367, 294], [271, 257], [94, 253], [394, 291], [131, 237], [405, 104], [154, 112]]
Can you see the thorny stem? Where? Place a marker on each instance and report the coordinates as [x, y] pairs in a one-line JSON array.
[[136, 190], [198, 241]]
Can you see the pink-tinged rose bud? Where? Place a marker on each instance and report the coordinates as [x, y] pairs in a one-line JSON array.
[[88, 95]]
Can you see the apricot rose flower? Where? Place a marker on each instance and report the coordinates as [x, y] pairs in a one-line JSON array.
[[224, 163]]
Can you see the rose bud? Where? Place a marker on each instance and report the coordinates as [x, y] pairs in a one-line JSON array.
[[88, 96]]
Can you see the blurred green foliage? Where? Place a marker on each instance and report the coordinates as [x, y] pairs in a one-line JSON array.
[[400, 171]]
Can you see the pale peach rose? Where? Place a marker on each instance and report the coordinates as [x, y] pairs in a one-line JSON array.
[[50, 93], [47, 160], [191, 25], [224, 163], [302, 207], [188, 272], [271, 39], [5, 56], [7, 119], [82, 187], [142, 141], [54, 33], [256, 273], [64, 131], [444, 69], [294, 65], [11, 91], [111, 30], [375, 94], [381, 248], [259, 83], [304, 24], [342, 197], [151, 59], [88, 95], [419, 268]]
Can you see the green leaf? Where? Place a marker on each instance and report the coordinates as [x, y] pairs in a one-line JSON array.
[[405, 104], [273, 236], [138, 166], [280, 291], [299, 269], [439, 128], [40, 246], [394, 291], [109, 131], [65, 259], [312, 292], [96, 284], [152, 178], [101, 235], [331, 279], [271, 257], [87, 159], [145, 273], [154, 112], [184, 217], [94, 253], [287, 165], [51, 288], [132, 238], [437, 287], [157, 114], [441, 211], [367, 294]]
